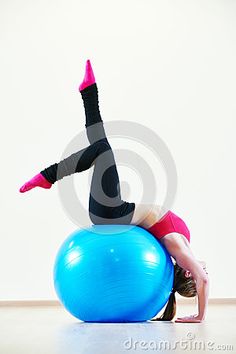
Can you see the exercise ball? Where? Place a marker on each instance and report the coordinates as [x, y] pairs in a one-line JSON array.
[[113, 273]]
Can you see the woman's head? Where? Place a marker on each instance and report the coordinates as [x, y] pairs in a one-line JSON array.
[[185, 285]]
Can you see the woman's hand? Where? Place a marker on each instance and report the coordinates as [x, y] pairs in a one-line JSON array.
[[189, 319], [186, 260]]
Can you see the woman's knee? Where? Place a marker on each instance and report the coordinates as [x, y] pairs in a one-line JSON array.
[[102, 145]]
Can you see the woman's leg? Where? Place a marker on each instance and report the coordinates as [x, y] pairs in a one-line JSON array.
[[80, 161], [89, 92], [95, 132], [94, 124], [99, 205], [105, 203]]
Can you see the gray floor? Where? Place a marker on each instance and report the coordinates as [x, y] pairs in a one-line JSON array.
[[52, 330]]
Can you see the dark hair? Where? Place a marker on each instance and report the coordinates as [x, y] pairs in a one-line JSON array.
[[184, 286]]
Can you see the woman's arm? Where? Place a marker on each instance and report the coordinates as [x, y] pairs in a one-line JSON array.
[[186, 260]]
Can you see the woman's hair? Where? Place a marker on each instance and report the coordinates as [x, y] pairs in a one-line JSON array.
[[184, 286]]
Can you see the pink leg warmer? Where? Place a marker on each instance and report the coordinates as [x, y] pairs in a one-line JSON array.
[[37, 181], [89, 78]]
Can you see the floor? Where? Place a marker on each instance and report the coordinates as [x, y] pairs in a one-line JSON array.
[[50, 329]]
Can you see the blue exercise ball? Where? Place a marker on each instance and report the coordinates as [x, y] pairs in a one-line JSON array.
[[113, 273]]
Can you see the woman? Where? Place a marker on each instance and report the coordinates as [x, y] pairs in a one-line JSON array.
[[107, 207]]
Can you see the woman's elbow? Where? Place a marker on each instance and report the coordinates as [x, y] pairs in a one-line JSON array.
[[206, 280], [203, 279]]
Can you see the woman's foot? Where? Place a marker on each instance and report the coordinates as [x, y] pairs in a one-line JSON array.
[[37, 181], [89, 78]]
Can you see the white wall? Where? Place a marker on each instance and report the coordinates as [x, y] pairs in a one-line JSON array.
[[169, 65]]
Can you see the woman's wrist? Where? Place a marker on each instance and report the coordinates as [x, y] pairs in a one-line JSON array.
[[201, 317]]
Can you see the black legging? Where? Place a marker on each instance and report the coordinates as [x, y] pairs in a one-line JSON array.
[[105, 203]]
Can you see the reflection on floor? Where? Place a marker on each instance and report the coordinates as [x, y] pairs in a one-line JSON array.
[[51, 330]]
